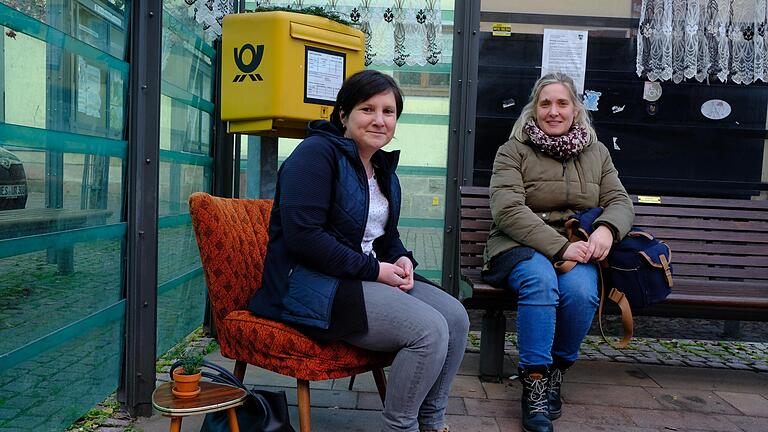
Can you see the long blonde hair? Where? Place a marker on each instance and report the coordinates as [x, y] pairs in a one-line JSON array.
[[580, 114]]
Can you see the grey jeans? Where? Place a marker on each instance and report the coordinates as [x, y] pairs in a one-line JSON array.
[[428, 329]]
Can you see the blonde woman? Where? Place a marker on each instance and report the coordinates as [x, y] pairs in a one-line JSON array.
[[552, 166]]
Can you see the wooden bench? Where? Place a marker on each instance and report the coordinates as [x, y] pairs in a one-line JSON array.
[[719, 258], [34, 221]]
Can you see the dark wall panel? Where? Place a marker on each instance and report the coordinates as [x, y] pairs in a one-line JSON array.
[[665, 147]]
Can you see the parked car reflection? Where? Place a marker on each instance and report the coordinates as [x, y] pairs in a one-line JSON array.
[[13, 181]]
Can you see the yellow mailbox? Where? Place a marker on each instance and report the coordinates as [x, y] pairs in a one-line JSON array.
[[282, 69]]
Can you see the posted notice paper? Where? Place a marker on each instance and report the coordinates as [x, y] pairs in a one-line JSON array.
[[565, 51]]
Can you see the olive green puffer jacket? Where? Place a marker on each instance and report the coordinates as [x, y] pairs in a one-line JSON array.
[[532, 195]]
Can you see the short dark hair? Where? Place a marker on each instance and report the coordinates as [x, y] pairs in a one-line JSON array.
[[360, 87]]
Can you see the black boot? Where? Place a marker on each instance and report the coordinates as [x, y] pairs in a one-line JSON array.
[[559, 366], [535, 404]]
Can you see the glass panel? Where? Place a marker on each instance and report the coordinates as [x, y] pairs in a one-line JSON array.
[[101, 24], [38, 297], [78, 94], [249, 174], [177, 183], [180, 307], [185, 144], [62, 158], [647, 138], [37, 393], [184, 15], [185, 67], [186, 128], [422, 137]]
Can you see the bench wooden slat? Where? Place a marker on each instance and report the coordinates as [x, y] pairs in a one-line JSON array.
[[724, 272], [472, 243], [469, 224], [693, 286], [709, 224], [726, 254], [33, 221], [683, 284], [680, 269], [694, 202], [474, 201], [721, 248], [708, 300], [686, 234], [474, 236], [696, 264], [682, 287], [737, 261], [702, 213], [471, 261], [477, 213], [481, 191], [472, 248]]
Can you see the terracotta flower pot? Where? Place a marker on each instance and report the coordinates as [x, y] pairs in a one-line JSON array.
[[185, 386]]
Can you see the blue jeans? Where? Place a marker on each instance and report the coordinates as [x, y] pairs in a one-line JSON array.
[[554, 312], [428, 330]]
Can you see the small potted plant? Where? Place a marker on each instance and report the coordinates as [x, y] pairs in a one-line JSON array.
[[186, 377]]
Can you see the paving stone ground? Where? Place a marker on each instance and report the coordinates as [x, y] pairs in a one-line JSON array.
[[658, 385], [599, 394]]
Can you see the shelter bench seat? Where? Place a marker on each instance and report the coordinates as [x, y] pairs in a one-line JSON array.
[[719, 259], [40, 221]]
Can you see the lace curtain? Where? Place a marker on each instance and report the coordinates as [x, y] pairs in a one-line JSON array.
[[397, 32], [208, 14], [681, 39]]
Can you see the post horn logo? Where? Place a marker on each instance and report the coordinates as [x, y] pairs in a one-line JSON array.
[[247, 69]]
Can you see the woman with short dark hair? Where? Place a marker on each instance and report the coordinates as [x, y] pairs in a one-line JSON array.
[[336, 268]]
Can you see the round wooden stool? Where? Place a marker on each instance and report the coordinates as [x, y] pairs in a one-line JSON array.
[[213, 397]]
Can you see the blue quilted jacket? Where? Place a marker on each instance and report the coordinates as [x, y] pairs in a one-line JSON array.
[[317, 225]]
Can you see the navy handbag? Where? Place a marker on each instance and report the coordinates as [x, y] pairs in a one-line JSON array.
[[638, 270]]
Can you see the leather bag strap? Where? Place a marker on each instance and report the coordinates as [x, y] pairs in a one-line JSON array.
[[627, 321], [618, 297], [667, 270], [564, 266]]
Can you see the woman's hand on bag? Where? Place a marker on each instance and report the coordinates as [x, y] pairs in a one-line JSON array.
[[391, 274], [600, 242], [405, 263], [577, 251]]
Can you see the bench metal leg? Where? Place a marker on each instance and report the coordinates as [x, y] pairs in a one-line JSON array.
[[731, 329], [492, 345], [64, 258]]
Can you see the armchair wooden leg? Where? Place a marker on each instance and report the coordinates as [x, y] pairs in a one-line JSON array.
[[302, 388], [351, 382], [381, 383], [240, 369]]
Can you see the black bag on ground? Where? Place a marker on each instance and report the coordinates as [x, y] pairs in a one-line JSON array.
[[263, 411], [638, 270]]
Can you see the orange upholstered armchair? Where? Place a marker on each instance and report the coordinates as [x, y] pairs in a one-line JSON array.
[[232, 236]]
